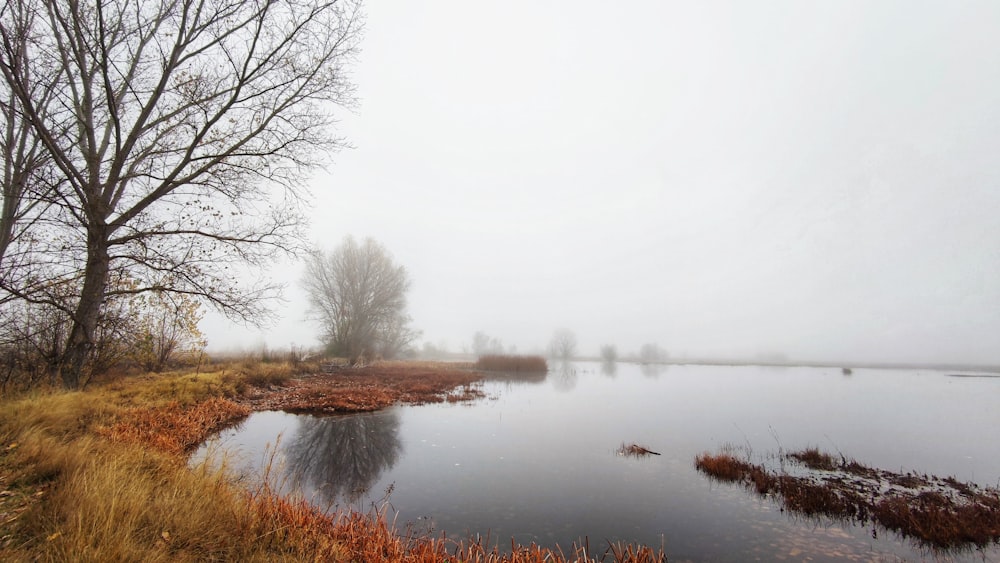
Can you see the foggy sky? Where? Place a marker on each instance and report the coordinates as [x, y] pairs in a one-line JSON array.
[[818, 179]]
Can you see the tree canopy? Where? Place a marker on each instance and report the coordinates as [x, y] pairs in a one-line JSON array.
[[358, 295], [160, 142]]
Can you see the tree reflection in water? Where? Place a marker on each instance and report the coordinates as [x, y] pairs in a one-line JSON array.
[[564, 377], [341, 457], [652, 370]]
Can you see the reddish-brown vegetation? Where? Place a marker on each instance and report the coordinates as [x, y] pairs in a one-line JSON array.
[[369, 388], [942, 520], [727, 467], [512, 363], [814, 459], [173, 428], [940, 513]]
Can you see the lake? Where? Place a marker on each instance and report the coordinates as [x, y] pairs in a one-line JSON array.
[[537, 459]]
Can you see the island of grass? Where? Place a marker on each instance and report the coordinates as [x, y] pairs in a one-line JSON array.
[[940, 513]]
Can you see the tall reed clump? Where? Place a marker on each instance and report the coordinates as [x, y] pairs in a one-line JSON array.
[[728, 468], [512, 363]]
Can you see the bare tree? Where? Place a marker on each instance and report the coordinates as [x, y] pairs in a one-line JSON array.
[[563, 344], [23, 156], [652, 353], [483, 344], [358, 294], [609, 353], [168, 124]]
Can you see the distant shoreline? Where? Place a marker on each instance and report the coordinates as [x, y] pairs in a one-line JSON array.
[[976, 370]]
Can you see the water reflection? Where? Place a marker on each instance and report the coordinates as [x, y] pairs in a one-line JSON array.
[[564, 377], [609, 368], [499, 466], [342, 457], [652, 370], [533, 377]]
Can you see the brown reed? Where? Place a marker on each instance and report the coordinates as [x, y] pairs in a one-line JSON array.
[[512, 363]]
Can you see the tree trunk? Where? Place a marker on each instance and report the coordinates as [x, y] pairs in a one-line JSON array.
[[88, 309]]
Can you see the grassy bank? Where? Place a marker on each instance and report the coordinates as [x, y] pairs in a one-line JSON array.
[[102, 475]]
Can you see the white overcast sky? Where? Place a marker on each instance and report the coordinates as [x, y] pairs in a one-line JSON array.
[[729, 178]]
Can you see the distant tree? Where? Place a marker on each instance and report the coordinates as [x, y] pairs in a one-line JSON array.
[[563, 344], [484, 345], [394, 339], [609, 353], [431, 351], [166, 140], [652, 353], [358, 294]]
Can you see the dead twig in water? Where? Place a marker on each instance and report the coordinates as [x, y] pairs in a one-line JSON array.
[[635, 450]]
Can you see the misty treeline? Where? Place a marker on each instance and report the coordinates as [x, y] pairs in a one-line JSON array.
[[154, 153], [357, 293], [562, 345]]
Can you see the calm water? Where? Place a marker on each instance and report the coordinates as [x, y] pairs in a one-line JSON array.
[[536, 460]]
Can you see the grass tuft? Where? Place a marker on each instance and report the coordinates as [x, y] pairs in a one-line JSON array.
[[814, 459]]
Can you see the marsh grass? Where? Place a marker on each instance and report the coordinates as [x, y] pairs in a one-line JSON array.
[[938, 513], [512, 363], [173, 428], [814, 459], [274, 373]]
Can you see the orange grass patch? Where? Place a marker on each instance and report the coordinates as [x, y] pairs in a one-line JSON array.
[[173, 428]]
